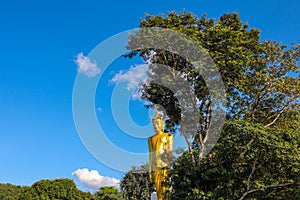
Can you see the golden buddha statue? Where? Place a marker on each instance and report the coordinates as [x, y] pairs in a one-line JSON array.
[[161, 151]]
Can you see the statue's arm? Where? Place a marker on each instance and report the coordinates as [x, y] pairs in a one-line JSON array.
[[150, 158]]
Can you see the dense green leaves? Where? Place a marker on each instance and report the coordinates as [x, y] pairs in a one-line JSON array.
[[108, 193], [136, 185], [249, 159], [56, 189], [9, 191]]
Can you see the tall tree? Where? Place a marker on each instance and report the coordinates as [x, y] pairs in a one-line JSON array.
[[258, 154]]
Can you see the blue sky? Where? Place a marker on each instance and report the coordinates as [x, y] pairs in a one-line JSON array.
[[39, 42]]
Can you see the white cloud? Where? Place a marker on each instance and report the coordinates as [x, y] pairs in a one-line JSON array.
[[86, 66], [133, 77], [135, 95], [117, 77], [92, 178]]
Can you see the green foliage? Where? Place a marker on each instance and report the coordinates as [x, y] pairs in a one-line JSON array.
[[257, 156], [9, 191], [136, 185], [57, 189], [267, 165], [108, 193]]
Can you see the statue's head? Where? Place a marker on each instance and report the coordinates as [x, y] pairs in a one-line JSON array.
[[158, 122]]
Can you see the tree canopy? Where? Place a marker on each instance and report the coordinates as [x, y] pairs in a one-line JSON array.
[[52, 190], [9, 191], [108, 193], [257, 155], [55, 189]]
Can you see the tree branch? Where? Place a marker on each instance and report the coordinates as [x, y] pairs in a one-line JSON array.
[[207, 117], [249, 143], [251, 174], [265, 187], [278, 115], [189, 146], [284, 108], [207, 123]]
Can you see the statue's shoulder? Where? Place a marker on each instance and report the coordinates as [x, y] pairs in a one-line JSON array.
[[152, 137], [159, 136]]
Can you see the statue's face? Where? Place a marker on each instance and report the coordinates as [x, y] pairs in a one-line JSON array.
[[159, 126]]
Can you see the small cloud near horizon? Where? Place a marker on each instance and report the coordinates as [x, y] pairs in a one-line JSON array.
[[86, 66], [92, 179]]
